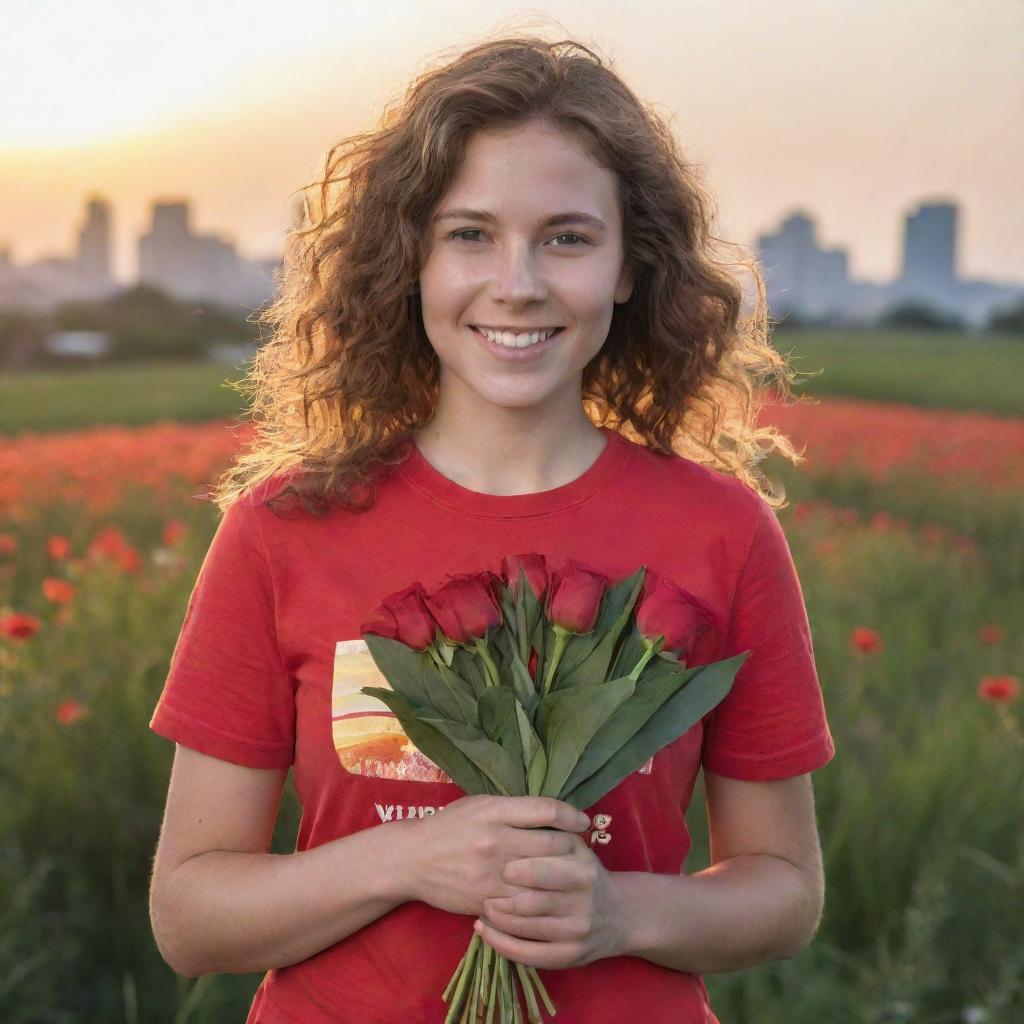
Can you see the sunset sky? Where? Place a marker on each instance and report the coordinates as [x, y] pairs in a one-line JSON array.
[[852, 110]]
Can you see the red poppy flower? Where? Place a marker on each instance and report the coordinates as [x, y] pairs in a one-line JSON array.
[[19, 625], [8, 543], [866, 641], [174, 531], [58, 546], [574, 597], [57, 590], [666, 609], [991, 634], [69, 711], [999, 689], [466, 606]]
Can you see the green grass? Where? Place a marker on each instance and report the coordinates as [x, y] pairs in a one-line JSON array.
[[932, 369], [132, 395], [927, 369]]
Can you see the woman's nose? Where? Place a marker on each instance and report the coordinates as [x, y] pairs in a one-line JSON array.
[[517, 278]]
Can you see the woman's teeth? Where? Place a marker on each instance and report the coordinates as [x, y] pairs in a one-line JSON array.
[[510, 340]]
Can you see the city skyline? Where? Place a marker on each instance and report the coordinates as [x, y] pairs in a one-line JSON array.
[[854, 110], [801, 275]]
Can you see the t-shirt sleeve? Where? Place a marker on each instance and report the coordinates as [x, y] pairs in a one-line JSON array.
[[227, 692], [771, 724]]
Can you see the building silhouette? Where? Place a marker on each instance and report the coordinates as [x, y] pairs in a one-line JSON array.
[[803, 278], [94, 248]]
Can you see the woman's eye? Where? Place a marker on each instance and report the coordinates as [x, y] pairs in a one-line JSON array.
[[476, 231], [571, 234]]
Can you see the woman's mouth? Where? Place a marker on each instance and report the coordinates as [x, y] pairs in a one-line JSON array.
[[516, 354]]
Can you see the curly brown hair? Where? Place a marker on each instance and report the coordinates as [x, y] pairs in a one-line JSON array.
[[682, 370]]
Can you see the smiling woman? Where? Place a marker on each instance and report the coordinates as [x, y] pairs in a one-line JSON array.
[[505, 314]]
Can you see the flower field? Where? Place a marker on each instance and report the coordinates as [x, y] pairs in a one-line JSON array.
[[907, 527]]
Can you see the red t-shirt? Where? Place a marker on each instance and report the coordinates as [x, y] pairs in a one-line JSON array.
[[267, 668]]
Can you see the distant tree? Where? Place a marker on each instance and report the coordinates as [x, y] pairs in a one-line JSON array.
[[1008, 321], [920, 316], [22, 333], [146, 323]]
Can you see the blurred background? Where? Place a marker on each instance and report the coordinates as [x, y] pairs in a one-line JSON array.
[[870, 155]]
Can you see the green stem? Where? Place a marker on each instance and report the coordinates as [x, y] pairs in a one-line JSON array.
[[495, 973], [480, 646], [548, 1004], [460, 988], [561, 636], [649, 652], [533, 1010]]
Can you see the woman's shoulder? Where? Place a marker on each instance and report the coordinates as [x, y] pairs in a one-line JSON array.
[[677, 475]]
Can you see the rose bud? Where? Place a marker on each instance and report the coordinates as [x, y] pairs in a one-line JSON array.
[[406, 617], [466, 607], [666, 609], [574, 597], [536, 574]]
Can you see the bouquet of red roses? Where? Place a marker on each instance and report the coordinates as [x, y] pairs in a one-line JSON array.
[[540, 683]]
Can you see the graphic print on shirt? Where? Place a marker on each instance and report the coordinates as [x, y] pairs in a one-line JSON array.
[[368, 738]]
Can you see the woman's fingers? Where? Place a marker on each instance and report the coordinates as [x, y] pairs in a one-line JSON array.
[[561, 874]]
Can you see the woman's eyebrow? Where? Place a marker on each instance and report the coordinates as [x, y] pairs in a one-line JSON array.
[[568, 217]]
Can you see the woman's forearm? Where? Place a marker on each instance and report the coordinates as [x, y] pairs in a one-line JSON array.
[[735, 914], [238, 913]]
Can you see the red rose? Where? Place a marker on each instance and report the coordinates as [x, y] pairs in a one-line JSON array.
[[536, 574], [405, 617], [574, 597], [666, 609], [466, 606]]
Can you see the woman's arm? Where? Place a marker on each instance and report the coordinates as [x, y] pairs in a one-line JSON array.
[[761, 899], [220, 903], [249, 912]]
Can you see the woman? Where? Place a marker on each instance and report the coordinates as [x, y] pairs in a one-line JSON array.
[[505, 332]]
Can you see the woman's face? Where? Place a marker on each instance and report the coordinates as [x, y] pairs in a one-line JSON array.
[[549, 255]]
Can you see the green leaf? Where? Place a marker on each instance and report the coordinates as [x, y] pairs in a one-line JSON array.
[[523, 686], [497, 709], [657, 683], [508, 774], [468, 666], [703, 692], [571, 718], [434, 744], [630, 651], [400, 665], [533, 752]]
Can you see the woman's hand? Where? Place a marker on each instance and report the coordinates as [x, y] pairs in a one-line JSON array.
[[456, 857], [566, 912]]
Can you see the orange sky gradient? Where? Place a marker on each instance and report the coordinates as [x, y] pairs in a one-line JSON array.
[[854, 110]]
